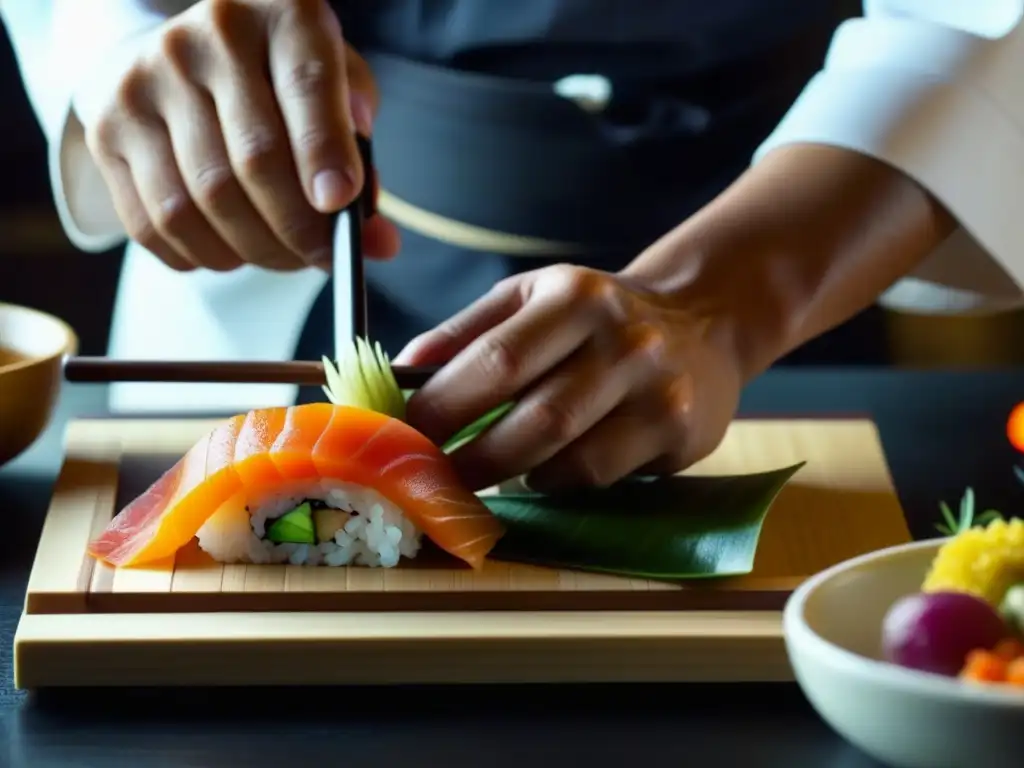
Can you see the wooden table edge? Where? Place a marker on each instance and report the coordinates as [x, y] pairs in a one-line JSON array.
[[399, 648]]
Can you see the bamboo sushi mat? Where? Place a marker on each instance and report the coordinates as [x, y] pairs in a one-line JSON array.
[[192, 621]]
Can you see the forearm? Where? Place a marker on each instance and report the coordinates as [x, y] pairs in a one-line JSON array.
[[804, 240]]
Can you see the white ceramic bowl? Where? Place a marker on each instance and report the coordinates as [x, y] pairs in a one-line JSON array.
[[30, 383], [905, 718]]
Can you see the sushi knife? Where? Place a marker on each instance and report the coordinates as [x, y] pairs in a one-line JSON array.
[[350, 321], [347, 277]]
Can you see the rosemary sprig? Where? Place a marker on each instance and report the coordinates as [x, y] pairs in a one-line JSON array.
[[954, 525]]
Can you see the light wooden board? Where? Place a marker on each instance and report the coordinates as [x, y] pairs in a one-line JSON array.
[[192, 621]]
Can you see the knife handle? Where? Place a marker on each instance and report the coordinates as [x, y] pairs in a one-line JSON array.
[[368, 194], [360, 209]]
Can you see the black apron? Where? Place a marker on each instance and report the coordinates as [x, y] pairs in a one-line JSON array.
[[470, 129]]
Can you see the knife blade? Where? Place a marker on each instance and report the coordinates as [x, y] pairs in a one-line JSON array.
[[348, 280], [346, 285]]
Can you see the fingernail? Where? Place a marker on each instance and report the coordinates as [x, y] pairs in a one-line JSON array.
[[362, 113], [332, 189], [403, 358], [408, 354]]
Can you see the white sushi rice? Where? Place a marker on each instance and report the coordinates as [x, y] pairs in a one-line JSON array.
[[374, 534]]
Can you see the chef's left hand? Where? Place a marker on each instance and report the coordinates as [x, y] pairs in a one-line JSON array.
[[609, 377]]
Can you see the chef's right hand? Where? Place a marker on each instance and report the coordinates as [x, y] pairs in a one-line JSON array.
[[226, 135]]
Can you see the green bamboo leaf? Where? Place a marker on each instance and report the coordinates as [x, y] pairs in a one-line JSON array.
[[680, 527]]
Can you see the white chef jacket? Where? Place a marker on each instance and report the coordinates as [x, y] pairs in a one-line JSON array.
[[933, 87]]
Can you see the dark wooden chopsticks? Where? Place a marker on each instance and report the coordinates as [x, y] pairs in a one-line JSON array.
[[309, 374]]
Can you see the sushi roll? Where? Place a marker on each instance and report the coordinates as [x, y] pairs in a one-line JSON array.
[[325, 523], [318, 484]]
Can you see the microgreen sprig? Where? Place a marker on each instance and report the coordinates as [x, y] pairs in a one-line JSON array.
[[953, 525], [363, 378]]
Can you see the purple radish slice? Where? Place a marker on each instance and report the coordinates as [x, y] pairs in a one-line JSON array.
[[934, 631]]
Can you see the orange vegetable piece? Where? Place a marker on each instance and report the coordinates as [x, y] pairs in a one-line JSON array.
[[984, 667], [1015, 672], [1009, 649], [1015, 427]]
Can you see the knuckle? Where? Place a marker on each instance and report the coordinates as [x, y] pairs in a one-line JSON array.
[[497, 360], [177, 49], [133, 96], [103, 137], [585, 286], [175, 214], [645, 342], [306, 79], [233, 29], [223, 16], [676, 399], [552, 421], [259, 153], [507, 286], [214, 186]]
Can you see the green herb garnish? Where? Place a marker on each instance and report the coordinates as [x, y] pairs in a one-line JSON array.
[[364, 379], [953, 526]]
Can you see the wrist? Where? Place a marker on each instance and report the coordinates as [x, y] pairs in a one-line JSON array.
[[724, 277], [803, 241]]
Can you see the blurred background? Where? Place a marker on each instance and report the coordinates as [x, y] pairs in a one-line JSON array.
[[40, 268]]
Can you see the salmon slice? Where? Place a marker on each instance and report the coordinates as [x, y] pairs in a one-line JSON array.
[[270, 449], [252, 449]]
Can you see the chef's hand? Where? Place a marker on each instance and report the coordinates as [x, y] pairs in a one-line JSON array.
[[609, 379], [226, 136]]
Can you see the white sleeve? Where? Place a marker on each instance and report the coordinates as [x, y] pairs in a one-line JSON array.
[[935, 88], [55, 42]]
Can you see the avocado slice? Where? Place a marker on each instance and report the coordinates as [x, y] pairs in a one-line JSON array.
[[295, 527], [1012, 607]]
